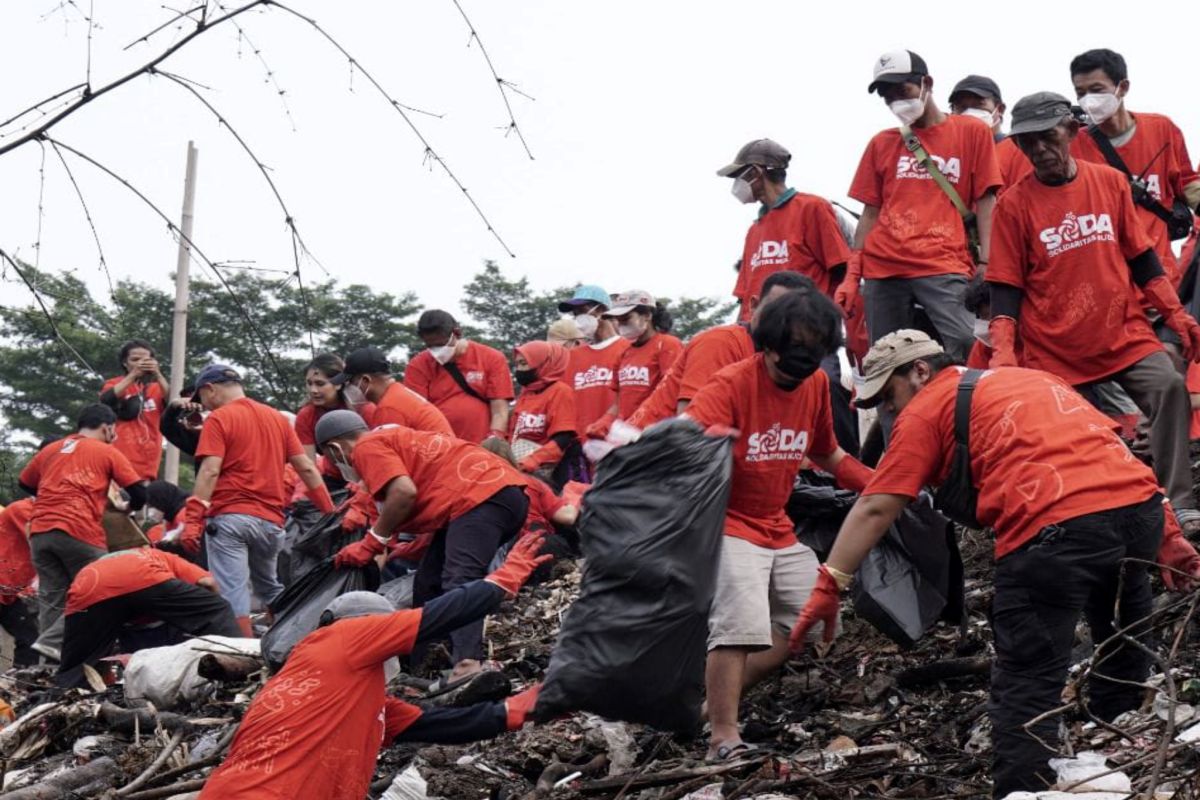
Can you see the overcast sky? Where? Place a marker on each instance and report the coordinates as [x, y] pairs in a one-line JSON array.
[[637, 103]]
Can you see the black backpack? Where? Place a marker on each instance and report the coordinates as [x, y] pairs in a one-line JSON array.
[[957, 497]]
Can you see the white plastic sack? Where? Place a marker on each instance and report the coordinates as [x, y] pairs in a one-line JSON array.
[[408, 785], [1079, 770], [167, 676]]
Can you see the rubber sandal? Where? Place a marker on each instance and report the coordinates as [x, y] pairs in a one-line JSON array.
[[732, 752]]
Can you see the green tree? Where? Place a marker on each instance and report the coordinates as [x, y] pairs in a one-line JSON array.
[[690, 315], [508, 312]]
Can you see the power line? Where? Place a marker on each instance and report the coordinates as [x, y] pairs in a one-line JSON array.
[[46, 312]]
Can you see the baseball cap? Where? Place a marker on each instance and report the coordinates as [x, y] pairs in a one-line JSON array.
[[760, 152], [563, 330], [363, 361], [214, 373], [978, 85], [356, 604], [588, 293], [1038, 112], [894, 350], [628, 301], [335, 424], [898, 66]]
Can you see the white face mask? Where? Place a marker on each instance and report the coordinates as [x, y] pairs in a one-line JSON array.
[[348, 473], [445, 353], [587, 325], [353, 395], [1099, 106], [909, 111], [982, 332], [391, 668], [631, 330], [742, 190], [986, 116]]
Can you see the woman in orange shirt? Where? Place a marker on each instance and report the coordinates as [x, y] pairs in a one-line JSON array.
[[542, 425]]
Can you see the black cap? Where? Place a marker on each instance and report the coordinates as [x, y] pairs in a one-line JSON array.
[[898, 66], [363, 361], [1038, 112], [979, 86]]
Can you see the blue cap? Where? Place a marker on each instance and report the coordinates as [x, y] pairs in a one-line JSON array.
[[585, 294], [214, 373]]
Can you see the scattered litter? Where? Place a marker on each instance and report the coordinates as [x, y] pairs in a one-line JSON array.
[[1086, 773]]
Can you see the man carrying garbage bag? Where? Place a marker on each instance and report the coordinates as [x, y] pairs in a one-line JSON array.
[[1069, 504], [315, 729], [779, 405]]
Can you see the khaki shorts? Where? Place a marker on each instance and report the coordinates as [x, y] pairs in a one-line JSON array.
[[759, 590]]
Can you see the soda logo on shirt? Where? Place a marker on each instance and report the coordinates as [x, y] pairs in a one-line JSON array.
[[632, 375], [770, 254], [69, 446], [777, 444], [529, 423], [594, 376], [149, 405], [1077, 231], [1153, 186], [909, 167], [473, 376]]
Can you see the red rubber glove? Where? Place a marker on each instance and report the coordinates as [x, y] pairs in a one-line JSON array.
[[360, 553], [522, 560], [320, 497], [194, 511], [852, 474], [1165, 299], [1177, 553], [599, 428], [846, 294], [1003, 333], [822, 606], [411, 551], [519, 705], [547, 455]]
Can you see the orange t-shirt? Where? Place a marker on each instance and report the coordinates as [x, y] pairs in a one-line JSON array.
[[16, 562], [402, 406], [315, 728], [919, 232], [777, 430], [127, 571], [306, 431], [140, 439], [543, 505], [1157, 153], [800, 234], [591, 371], [1066, 247], [1193, 387], [1013, 163], [483, 368], [452, 476], [541, 413], [1040, 453], [641, 368], [254, 443], [72, 477]]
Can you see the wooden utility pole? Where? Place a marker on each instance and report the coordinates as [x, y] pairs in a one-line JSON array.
[[179, 328]]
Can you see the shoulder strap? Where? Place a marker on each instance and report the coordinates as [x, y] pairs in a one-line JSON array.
[[1107, 150], [1140, 195], [922, 155], [962, 406], [457, 375]]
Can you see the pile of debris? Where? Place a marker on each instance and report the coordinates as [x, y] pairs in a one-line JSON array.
[[860, 718]]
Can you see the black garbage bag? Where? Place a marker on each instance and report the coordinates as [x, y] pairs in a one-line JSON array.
[[913, 577], [817, 507], [302, 518], [298, 609], [319, 539], [632, 647]]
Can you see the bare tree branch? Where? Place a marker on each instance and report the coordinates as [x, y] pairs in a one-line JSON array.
[[279, 90], [12, 262], [88, 214], [146, 38]]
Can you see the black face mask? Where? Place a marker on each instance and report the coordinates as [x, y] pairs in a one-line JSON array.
[[525, 376], [800, 361]]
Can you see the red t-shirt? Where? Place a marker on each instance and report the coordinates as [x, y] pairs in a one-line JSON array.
[[1040, 453], [72, 477], [919, 232], [452, 476], [485, 370], [1193, 387], [641, 368], [140, 439], [802, 235], [315, 728], [541, 413], [1157, 153], [1012, 162], [591, 371], [402, 406], [1065, 247], [543, 505], [254, 443], [16, 563], [127, 571], [306, 430], [777, 430]]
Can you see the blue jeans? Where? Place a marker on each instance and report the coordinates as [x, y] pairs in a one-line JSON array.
[[242, 551]]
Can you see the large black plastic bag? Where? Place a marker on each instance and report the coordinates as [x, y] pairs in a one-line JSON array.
[[817, 508], [913, 577], [298, 609], [632, 647]]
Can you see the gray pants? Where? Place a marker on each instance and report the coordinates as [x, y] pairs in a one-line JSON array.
[[243, 550], [889, 307], [1159, 391], [57, 556]]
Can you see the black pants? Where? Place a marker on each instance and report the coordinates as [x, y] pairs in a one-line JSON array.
[[19, 619], [1041, 589], [845, 418], [461, 554], [457, 725], [89, 634]]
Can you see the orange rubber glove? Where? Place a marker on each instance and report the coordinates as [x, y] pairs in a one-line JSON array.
[[519, 705], [194, 511], [599, 428], [1165, 299], [1177, 553], [822, 606], [360, 553], [548, 454], [852, 474], [1003, 332], [522, 560], [846, 294], [320, 497]]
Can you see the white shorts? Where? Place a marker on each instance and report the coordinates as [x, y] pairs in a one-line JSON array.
[[759, 590]]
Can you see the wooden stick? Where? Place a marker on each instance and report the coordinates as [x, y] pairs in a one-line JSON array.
[[148, 773], [166, 791], [101, 773]]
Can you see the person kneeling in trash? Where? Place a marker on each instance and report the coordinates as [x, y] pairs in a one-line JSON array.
[[129, 585], [315, 729], [1077, 520]]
